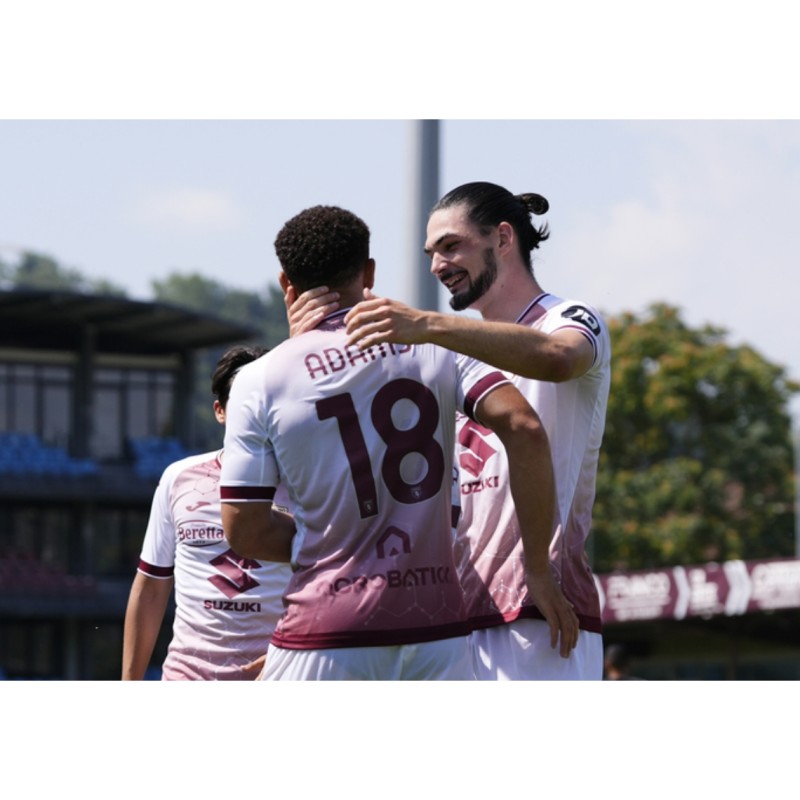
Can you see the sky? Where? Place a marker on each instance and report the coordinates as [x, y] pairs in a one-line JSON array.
[[697, 213], [137, 140]]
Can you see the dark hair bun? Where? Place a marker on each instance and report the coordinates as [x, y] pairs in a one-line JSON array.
[[535, 203]]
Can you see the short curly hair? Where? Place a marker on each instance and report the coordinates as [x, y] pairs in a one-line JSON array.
[[322, 246]]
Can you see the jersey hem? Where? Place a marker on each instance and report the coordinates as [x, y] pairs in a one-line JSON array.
[[585, 621], [324, 641]]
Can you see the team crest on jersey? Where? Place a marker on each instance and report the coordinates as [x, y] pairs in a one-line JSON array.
[[584, 317]]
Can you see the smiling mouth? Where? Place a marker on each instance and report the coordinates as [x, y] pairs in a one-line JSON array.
[[453, 279]]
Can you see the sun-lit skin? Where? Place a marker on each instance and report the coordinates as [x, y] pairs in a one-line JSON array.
[[465, 261], [485, 271]]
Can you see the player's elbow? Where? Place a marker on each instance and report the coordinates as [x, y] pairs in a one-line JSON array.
[[234, 538], [244, 545], [522, 427], [510, 416], [236, 529], [567, 360], [560, 370], [528, 426], [563, 365]]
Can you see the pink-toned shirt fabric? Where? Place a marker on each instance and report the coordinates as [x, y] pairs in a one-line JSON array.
[[226, 607], [488, 544], [363, 443]]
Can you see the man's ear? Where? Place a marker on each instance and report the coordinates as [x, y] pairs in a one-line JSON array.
[[284, 282], [369, 273], [505, 236], [219, 412]]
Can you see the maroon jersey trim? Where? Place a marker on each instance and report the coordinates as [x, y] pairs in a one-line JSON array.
[[154, 571], [244, 493], [479, 390], [378, 638], [533, 312]]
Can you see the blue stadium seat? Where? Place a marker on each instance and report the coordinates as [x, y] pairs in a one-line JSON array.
[[26, 454], [153, 454]]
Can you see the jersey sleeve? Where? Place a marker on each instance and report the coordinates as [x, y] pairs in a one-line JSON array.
[[249, 469], [584, 318], [157, 558], [475, 381]]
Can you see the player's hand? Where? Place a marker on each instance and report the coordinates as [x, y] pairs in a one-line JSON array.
[[305, 312], [557, 611], [376, 320], [252, 671]]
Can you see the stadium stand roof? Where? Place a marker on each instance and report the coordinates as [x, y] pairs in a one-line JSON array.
[[58, 320]]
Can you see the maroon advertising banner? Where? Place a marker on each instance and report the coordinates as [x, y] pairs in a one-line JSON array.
[[706, 590]]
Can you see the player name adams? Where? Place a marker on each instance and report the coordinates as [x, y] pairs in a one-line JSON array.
[[334, 359]]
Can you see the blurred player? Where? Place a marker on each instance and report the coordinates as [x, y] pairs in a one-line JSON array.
[[363, 442], [557, 352], [226, 606]]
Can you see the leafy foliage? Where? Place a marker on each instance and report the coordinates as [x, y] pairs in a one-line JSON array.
[[697, 458], [36, 271], [266, 313]]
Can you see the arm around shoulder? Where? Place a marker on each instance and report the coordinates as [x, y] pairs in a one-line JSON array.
[[555, 357]]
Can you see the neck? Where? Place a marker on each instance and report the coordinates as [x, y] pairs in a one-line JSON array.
[[508, 297], [350, 297]]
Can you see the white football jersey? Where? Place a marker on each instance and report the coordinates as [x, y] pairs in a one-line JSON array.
[[489, 548], [226, 606], [363, 443]]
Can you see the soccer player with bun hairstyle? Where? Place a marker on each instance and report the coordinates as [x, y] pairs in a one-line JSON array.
[[480, 239], [226, 606], [363, 442]]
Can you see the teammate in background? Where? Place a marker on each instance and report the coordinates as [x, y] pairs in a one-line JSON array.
[[617, 664], [364, 442], [226, 606], [557, 352]]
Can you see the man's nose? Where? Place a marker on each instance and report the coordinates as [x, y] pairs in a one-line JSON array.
[[437, 264]]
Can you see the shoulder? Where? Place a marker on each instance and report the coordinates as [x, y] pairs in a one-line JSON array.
[[273, 367], [561, 312], [174, 470]]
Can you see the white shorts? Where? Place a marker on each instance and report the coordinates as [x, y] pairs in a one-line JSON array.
[[521, 651], [442, 660]]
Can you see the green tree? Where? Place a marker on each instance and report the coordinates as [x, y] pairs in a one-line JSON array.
[[37, 271], [697, 458], [264, 312]]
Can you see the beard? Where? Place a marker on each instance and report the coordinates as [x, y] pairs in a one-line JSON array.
[[478, 287]]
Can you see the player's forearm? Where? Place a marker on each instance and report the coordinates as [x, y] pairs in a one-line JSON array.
[[251, 671], [137, 651], [514, 348], [258, 531], [533, 489], [282, 533], [532, 483], [143, 619]]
